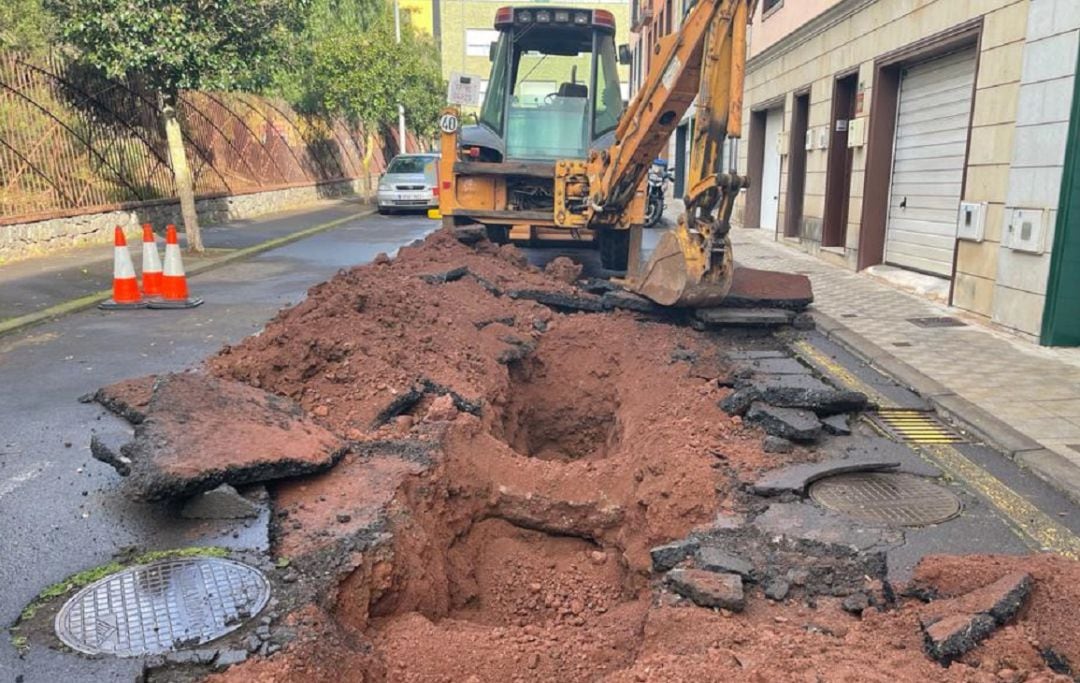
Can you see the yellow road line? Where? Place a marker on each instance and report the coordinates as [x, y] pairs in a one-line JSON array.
[[841, 374], [1042, 532], [1037, 529]]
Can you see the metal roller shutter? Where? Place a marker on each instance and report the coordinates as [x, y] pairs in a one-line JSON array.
[[932, 125]]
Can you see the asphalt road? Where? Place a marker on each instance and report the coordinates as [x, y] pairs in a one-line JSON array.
[[61, 511]]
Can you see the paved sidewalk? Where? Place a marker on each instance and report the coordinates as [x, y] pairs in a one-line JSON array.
[[1032, 389], [41, 283]]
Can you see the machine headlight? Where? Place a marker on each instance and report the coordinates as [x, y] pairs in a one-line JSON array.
[[543, 17]]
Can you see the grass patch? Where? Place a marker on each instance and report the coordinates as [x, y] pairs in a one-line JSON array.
[[88, 576]]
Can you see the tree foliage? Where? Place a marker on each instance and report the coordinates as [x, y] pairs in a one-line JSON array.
[[24, 25], [346, 62], [173, 45]]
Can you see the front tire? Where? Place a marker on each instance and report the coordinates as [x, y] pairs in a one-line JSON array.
[[614, 248], [654, 211]]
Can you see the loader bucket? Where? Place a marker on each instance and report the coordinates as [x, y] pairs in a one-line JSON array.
[[677, 274]]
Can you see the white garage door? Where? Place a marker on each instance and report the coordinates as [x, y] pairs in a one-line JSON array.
[[928, 163]]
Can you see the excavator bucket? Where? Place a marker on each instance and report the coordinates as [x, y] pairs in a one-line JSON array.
[[684, 272]]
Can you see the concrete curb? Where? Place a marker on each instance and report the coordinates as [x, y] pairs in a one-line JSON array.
[[90, 300], [1052, 468]]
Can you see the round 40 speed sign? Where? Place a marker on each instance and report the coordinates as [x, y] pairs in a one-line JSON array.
[[448, 123]]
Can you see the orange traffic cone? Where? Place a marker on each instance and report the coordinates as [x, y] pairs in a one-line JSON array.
[[125, 286], [151, 263], [174, 291]]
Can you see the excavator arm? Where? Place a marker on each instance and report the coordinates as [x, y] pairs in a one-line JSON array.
[[692, 265]]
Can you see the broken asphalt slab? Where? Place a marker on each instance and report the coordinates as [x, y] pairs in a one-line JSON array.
[[796, 478], [954, 626], [708, 589], [793, 424], [197, 432]]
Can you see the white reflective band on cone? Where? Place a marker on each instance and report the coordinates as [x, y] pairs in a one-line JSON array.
[[174, 266], [123, 268]]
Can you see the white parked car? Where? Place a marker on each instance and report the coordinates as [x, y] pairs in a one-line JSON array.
[[409, 183]]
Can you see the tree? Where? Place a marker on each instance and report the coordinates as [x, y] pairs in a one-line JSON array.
[[24, 25], [362, 76], [174, 45]]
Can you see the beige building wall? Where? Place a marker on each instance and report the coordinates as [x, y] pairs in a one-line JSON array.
[[781, 19], [851, 36]]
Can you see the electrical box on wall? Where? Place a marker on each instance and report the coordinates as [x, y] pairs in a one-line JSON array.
[[782, 143], [823, 137], [856, 136], [971, 223], [1026, 229], [809, 142]]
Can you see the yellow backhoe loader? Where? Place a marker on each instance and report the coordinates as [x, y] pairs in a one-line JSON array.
[[555, 153]]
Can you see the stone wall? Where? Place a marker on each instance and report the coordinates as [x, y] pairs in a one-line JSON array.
[[21, 240]]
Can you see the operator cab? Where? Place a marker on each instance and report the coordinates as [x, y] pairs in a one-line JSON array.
[[554, 88]]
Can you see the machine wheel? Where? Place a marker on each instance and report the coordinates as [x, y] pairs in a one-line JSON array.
[[499, 234], [614, 249]]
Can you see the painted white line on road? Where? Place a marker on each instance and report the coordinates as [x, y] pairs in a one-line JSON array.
[[13, 483]]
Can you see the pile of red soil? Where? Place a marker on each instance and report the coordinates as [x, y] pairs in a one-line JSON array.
[[560, 449]]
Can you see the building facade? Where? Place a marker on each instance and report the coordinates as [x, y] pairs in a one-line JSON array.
[[929, 136], [467, 30]]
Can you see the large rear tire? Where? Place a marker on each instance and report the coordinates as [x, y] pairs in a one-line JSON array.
[[614, 249]]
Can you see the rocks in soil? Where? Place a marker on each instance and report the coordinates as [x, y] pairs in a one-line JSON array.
[[199, 432], [708, 589], [777, 589], [224, 502], [667, 556], [563, 269], [952, 627], [856, 603], [788, 423], [452, 275], [795, 478]]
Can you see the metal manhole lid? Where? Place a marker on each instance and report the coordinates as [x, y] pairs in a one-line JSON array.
[[893, 498], [162, 607]]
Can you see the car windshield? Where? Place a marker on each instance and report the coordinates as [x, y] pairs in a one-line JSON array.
[[408, 164]]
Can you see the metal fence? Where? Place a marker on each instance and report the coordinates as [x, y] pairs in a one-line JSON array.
[[71, 142]]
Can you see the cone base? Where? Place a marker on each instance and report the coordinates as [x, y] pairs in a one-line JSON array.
[[175, 303], [113, 305]]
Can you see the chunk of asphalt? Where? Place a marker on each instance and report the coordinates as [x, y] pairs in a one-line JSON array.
[[800, 522], [855, 603], [739, 401], [793, 424], [452, 275], [795, 478], [628, 301], [776, 444], [470, 234], [836, 424], [715, 559], [777, 589], [224, 502], [708, 589], [559, 301], [953, 627], [110, 452], [778, 366], [755, 317], [823, 402], [227, 658], [665, 557]]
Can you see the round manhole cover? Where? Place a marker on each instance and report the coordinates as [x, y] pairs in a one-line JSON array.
[[161, 607], [886, 498]]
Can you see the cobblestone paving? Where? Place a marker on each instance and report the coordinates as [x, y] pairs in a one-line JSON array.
[[1034, 389]]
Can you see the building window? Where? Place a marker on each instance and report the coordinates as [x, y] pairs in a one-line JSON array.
[[767, 6], [478, 41]]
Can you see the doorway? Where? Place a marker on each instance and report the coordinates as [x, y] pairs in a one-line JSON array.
[[770, 170], [838, 175], [800, 119]]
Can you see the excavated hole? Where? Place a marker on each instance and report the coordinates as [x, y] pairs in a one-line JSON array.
[[502, 574], [557, 412]]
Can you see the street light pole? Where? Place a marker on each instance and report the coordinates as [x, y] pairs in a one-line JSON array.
[[401, 107]]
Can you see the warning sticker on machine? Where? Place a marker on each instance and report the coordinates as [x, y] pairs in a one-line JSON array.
[[670, 72]]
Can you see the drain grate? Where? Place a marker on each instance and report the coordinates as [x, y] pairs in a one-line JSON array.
[[162, 607], [893, 498], [914, 426], [942, 321]]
